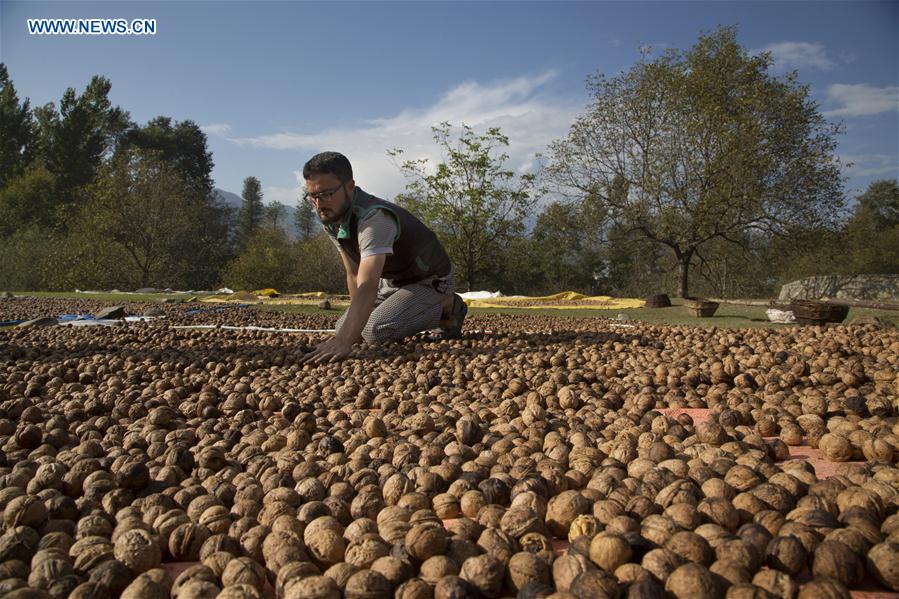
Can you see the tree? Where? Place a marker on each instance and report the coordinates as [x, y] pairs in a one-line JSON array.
[[472, 203], [266, 261], [74, 140], [182, 145], [872, 232], [17, 140], [709, 146], [144, 209], [274, 215], [305, 220], [249, 217]]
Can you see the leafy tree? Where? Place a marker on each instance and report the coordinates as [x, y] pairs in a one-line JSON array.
[[249, 217], [305, 220], [17, 139], [267, 260], [28, 200], [182, 145], [563, 250], [472, 203], [274, 215], [317, 265], [74, 140], [143, 209], [872, 232], [709, 145]]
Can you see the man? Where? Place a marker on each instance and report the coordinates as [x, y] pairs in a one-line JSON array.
[[398, 275]]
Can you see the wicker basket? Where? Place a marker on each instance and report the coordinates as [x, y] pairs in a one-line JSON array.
[[658, 300], [818, 312], [700, 308]]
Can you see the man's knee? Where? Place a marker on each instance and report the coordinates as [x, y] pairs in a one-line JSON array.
[[376, 331]]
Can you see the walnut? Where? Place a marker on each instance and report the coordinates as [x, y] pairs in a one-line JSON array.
[[139, 550], [186, 540], [434, 568], [499, 544], [112, 574], [661, 562], [562, 510], [340, 573], [823, 588], [152, 584], [594, 583], [244, 570], [25, 510], [609, 550], [566, 568], [415, 588], [836, 560], [195, 572], [239, 591], [424, 540], [691, 547], [692, 581], [90, 590], [447, 506], [368, 584], [453, 587], [836, 447], [786, 553], [366, 550], [883, 563], [326, 547], [393, 569], [313, 587], [776, 582], [731, 571], [526, 567], [486, 573], [198, 589]]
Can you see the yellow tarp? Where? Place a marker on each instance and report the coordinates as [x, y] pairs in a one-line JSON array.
[[268, 292], [559, 301]]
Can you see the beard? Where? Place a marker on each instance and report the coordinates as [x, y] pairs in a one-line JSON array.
[[329, 217]]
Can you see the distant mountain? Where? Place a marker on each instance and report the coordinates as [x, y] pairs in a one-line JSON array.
[[228, 198], [232, 200]]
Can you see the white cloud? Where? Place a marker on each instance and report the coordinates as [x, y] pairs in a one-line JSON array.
[[789, 55], [871, 165], [222, 129], [861, 99], [286, 195], [520, 107]]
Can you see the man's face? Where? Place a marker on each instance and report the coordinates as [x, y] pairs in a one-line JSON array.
[[329, 197]]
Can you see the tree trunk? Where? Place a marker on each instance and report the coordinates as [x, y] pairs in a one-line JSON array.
[[684, 259]]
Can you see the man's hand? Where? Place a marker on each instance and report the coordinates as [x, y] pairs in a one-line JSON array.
[[329, 351]]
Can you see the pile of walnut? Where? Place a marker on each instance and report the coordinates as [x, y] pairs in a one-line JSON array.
[[448, 469]]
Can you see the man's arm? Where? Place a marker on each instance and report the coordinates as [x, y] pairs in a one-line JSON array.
[[362, 303], [351, 269]]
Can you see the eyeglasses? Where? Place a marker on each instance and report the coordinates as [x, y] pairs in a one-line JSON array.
[[316, 198]]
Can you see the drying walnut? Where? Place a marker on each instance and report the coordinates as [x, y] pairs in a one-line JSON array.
[[525, 567], [368, 584], [313, 587], [453, 587], [883, 563], [486, 573], [776, 582], [415, 588], [424, 540], [562, 510], [139, 550], [692, 581], [786, 553], [594, 583], [836, 560], [244, 570]]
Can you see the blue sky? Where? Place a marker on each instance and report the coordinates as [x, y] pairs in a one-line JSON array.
[[274, 82]]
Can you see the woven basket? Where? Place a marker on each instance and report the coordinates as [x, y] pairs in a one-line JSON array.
[[700, 308], [817, 312], [658, 300]]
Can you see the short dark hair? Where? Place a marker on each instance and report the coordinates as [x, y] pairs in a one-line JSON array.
[[329, 163]]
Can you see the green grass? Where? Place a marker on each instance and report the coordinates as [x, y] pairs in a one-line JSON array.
[[727, 316]]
